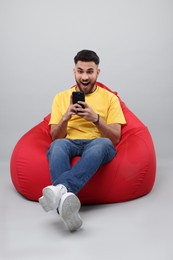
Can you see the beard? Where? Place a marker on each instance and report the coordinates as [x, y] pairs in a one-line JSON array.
[[86, 87]]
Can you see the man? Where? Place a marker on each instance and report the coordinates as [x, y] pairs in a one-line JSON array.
[[89, 129]]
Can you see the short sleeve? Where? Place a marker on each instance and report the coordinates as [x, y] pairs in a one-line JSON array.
[[56, 113], [115, 113]]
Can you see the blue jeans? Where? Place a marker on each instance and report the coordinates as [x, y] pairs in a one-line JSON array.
[[93, 153]]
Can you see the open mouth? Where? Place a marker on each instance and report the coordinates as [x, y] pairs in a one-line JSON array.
[[85, 83]]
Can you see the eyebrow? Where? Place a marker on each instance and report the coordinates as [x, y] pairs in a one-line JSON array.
[[90, 69]]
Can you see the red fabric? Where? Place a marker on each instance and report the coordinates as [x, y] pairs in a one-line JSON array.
[[131, 174]]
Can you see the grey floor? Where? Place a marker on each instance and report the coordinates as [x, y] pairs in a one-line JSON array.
[[140, 230]]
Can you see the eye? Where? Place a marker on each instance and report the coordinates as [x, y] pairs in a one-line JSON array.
[[90, 72], [79, 71]]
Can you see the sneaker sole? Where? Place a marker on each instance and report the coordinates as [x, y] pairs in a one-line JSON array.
[[68, 210]]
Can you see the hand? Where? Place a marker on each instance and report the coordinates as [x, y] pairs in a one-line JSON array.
[[87, 112], [72, 110]]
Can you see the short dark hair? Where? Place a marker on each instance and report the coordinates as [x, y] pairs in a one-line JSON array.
[[86, 55]]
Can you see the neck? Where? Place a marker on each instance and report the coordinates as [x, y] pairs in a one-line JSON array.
[[92, 90]]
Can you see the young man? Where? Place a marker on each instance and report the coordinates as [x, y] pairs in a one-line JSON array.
[[89, 129]]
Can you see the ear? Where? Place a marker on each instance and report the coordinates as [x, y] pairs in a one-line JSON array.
[[74, 71], [98, 72]]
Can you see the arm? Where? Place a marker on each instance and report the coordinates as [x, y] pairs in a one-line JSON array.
[[60, 130], [111, 131]]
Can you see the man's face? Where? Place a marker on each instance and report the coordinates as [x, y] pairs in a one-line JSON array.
[[86, 74]]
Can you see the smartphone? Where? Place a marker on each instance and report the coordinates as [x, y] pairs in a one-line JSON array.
[[78, 96]]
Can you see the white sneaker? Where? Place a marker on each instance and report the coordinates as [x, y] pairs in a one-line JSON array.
[[51, 197], [68, 210]]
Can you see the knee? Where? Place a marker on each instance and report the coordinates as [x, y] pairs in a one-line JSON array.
[[104, 145], [102, 148], [105, 142], [57, 145]]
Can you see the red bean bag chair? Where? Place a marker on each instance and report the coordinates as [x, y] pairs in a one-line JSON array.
[[131, 174]]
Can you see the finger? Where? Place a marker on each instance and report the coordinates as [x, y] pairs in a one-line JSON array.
[[82, 114], [76, 105], [83, 103], [80, 110]]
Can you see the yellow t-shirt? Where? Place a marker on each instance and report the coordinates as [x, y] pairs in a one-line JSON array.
[[102, 101]]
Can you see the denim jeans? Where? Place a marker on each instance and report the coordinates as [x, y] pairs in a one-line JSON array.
[[93, 153]]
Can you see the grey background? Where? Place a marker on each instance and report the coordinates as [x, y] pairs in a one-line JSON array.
[[40, 38], [134, 39]]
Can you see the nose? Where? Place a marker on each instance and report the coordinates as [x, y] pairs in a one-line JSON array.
[[84, 76]]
